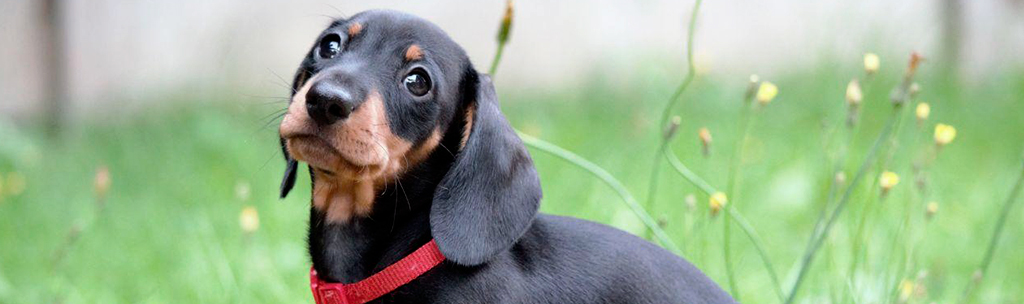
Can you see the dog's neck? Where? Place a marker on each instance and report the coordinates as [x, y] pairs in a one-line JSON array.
[[399, 224]]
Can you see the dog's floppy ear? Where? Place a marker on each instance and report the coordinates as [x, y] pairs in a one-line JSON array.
[[490, 195], [289, 171], [291, 165]]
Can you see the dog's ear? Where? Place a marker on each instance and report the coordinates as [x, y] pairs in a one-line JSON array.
[[490, 195], [291, 165]]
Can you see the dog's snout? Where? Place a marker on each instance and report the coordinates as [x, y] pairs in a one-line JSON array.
[[329, 101]]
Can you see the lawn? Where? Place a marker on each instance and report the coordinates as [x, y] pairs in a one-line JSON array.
[[167, 230]]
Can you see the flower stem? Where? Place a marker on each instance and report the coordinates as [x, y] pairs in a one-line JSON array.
[[608, 179], [691, 72], [820, 237], [590, 167], [744, 225], [990, 252], [730, 191], [497, 58]]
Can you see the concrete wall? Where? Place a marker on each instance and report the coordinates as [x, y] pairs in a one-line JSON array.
[[125, 53]]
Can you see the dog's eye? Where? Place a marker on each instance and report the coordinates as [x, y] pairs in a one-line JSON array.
[[417, 82], [330, 46]]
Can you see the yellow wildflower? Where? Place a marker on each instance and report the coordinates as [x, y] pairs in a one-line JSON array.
[[932, 208], [871, 63], [906, 290], [888, 180], [854, 95], [922, 111], [944, 134], [766, 92], [249, 219], [717, 201]]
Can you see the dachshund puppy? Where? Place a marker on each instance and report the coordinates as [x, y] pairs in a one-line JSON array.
[[409, 152]]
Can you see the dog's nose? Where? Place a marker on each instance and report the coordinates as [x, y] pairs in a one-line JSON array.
[[327, 102]]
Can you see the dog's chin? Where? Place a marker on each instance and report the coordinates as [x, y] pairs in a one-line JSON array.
[[331, 161]]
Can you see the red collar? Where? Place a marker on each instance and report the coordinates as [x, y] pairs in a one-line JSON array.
[[400, 273]]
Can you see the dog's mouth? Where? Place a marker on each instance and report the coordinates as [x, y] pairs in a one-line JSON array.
[[314, 151], [338, 155]]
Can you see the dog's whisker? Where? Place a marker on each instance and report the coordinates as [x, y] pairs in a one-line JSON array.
[[340, 14], [272, 156], [270, 122], [446, 149], [283, 82]]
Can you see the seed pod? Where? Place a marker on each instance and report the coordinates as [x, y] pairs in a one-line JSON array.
[[672, 128], [752, 87], [506, 22]]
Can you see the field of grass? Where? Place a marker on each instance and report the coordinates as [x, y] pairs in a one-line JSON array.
[[167, 230]]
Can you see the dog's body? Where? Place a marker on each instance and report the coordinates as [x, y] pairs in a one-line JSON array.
[[406, 143]]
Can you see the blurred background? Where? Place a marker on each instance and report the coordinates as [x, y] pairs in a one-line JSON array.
[[139, 158]]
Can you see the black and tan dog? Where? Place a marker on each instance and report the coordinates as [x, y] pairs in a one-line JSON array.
[[406, 143]]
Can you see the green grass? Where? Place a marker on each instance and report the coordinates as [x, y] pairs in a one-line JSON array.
[[169, 232]]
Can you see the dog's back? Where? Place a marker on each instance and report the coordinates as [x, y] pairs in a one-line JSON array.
[[568, 260]]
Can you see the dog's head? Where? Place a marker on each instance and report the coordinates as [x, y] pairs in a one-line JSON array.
[[373, 98]]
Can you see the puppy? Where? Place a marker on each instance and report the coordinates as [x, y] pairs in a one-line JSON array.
[[409, 152]]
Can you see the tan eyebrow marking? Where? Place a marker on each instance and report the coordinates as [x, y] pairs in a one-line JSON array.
[[354, 29], [468, 128], [413, 53]]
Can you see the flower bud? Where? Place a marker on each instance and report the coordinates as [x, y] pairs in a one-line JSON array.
[[944, 134], [915, 62], [766, 92], [242, 191], [717, 202], [506, 22], [249, 219], [871, 63], [752, 87], [101, 183], [888, 180], [930, 211], [922, 111], [705, 140], [906, 290], [672, 128], [840, 178], [853, 93]]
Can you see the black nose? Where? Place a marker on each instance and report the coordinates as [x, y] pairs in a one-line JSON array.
[[329, 101]]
